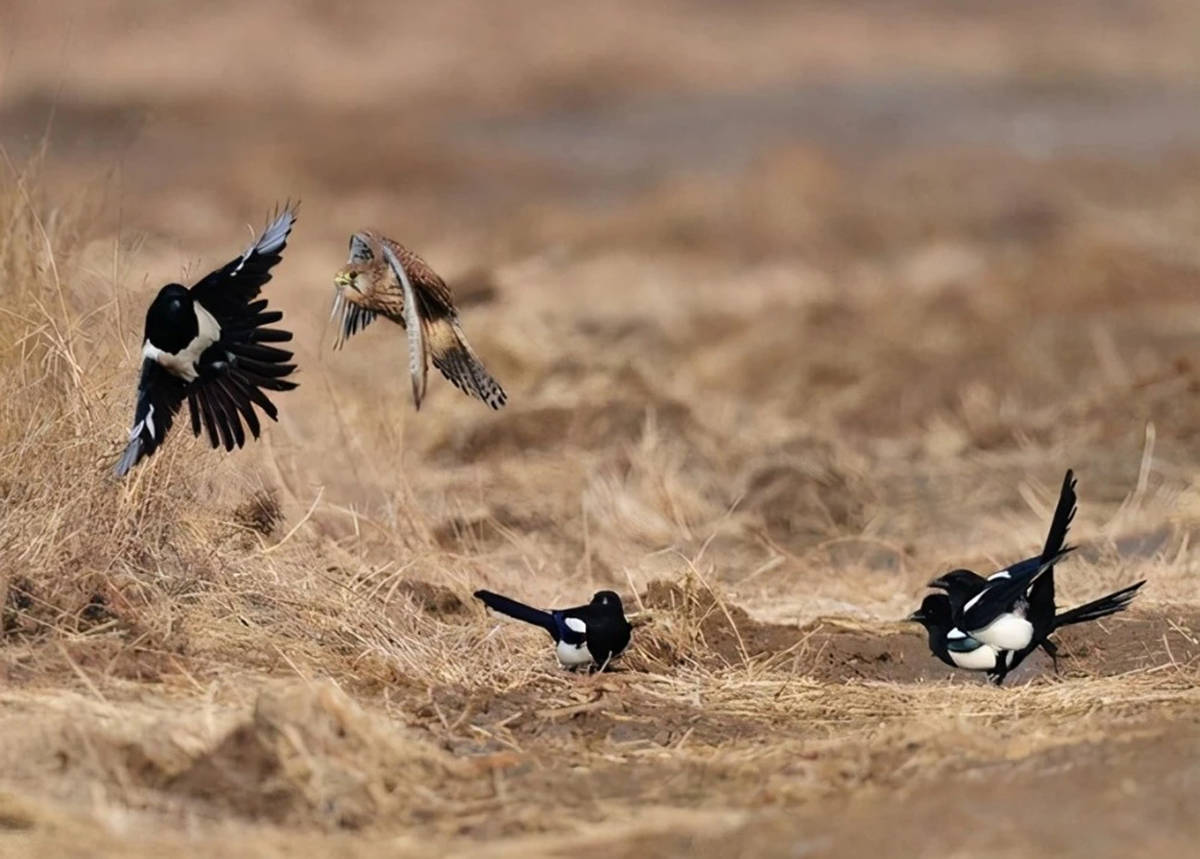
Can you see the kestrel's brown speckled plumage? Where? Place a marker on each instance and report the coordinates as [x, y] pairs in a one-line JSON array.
[[382, 277]]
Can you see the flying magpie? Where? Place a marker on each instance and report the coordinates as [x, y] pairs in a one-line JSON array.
[[1003, 609], [207, 345], [589, 635]]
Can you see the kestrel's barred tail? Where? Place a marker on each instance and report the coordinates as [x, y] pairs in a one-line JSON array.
[[453, 355]]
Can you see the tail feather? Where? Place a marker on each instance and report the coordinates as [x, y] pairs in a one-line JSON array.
[[1096, 609], [1064, 514], [453, 355], [517, 610]]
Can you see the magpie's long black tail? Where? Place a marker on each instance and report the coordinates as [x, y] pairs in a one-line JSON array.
[[1096, 609], [520, 611], [1064, 513], [227, 399]]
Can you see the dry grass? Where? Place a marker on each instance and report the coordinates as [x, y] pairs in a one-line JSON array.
[[764, 402]]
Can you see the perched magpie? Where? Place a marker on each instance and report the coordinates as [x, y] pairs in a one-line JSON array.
[[207, 345], [994, 623], [589, 635], [962, 651], [965, 651], [1003, 609]]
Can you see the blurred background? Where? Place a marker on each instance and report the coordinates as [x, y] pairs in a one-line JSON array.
[[815, 285]]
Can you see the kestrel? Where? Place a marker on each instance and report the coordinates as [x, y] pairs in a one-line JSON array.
[[382, 277], [207, 345]]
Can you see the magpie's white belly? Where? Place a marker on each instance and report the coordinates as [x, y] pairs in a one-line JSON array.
[[1007, 632], [572, 655], [183, 363], [980, 659]]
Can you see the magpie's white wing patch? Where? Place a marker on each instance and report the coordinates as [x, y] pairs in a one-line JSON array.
[[973, 601], [1003, 574], [576, 624]]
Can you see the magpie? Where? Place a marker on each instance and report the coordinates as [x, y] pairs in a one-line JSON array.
[[587, 636], [1020, 620], [1003, 609], [965, 651], [960, 652], [208, 345]]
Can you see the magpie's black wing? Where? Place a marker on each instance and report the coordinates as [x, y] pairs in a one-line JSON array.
[[160, 394], [572, 628], [242, 365], [225, 292], [1002, 593]]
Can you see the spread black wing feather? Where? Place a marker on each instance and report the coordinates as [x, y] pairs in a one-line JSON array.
[[159, 398], [226, 292]]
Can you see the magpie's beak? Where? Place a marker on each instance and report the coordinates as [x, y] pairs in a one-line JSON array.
[[939, 582], [917, 616]]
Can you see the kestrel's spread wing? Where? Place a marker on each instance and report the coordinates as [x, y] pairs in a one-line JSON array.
[[418, 363], [382, 277]]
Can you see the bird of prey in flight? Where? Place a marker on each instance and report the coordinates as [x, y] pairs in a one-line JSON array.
[[384, 278]]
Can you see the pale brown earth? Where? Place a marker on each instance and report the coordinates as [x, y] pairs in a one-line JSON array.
[[797, 305]]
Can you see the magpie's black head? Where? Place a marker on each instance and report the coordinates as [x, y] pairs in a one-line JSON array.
[[609, 600], [171, 319], [934, 612], [958, 580]]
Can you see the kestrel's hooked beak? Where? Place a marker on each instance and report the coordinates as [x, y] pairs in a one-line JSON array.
[[342, 279]]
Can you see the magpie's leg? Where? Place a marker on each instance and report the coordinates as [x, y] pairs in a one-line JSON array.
[[1052, 649]]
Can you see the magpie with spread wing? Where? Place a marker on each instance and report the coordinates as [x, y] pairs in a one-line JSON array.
[[588, 636], [209, 345]]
